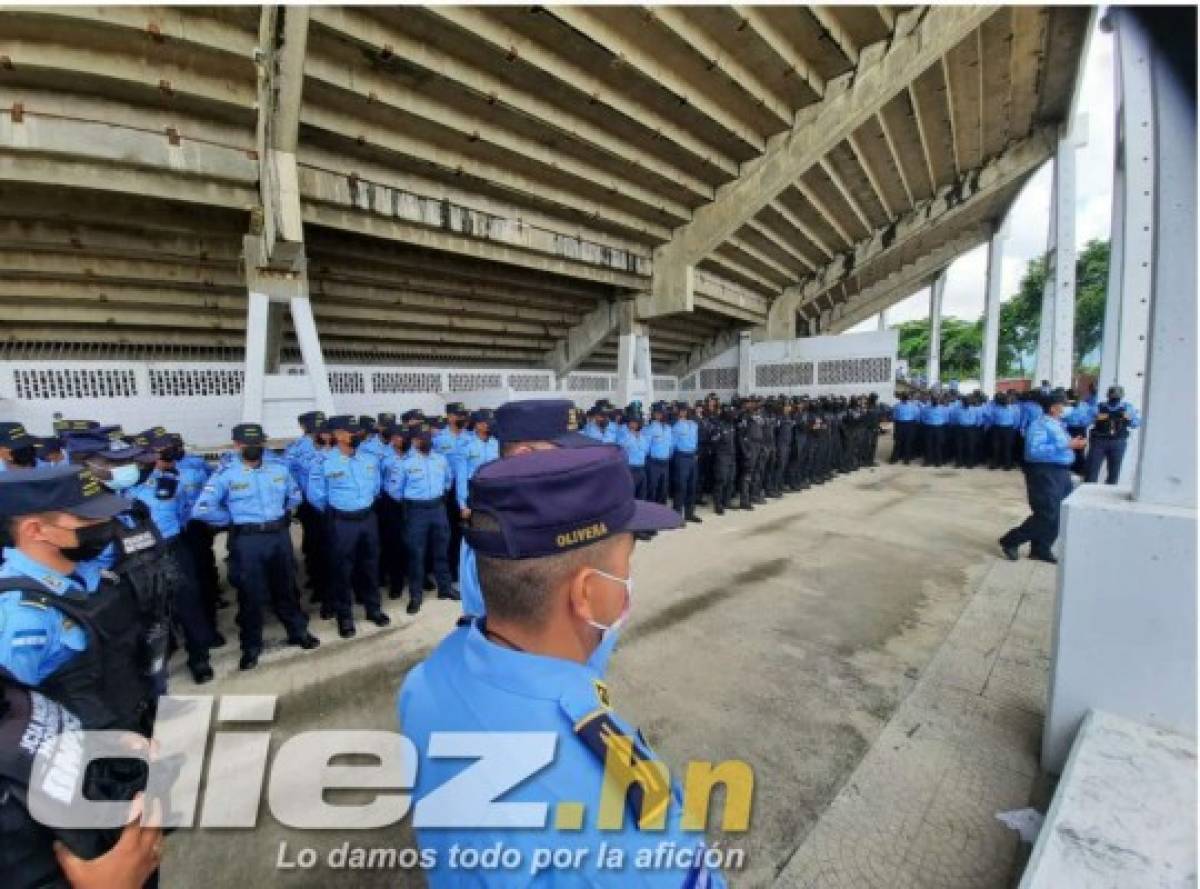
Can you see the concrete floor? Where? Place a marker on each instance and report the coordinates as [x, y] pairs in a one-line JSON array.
[[860, 644]]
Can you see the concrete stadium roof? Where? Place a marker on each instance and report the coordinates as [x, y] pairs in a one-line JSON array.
[[478, 184]]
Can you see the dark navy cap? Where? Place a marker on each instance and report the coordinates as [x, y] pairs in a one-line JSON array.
[[409, 416], [481, 417], [311, 421], [386, 419], [537, 419], [455, 407], [342, 422], [367, 422], [550, 502], [61, 426], [248, 433], [47, 445], [13, 435], [116, 450], [70, 489]]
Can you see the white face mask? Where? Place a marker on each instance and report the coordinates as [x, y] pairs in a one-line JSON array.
[[123, 477], [598, 659]]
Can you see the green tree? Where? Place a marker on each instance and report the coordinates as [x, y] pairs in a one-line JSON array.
[[962, 344]]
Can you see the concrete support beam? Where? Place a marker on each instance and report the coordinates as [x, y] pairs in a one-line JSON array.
[[583, 339], [1005, 170], [635, 378], [1135, 190], [1166, 469], [1062, 363], [881, 325], [818, 129], [705, 352], [745, 362], [991, 312], [933, 364], [908, 280]]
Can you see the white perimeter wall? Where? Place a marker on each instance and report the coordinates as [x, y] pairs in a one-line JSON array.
[[849, 364]]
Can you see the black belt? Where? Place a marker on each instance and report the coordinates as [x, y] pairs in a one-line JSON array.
[[436, 501], [261, 527], [657, 460], [353, 515], [685, 453]]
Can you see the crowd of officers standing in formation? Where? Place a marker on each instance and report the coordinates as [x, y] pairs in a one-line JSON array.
[[738, 454]]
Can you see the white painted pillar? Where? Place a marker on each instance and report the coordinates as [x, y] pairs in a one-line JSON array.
[[1046, 325], [882, 324], [310, 349], [634, 379], [1166, 470], [991, 311], [745, 363], [1125, 628], [1062, 343], [258, 313], [1127, 304], [934, 364]]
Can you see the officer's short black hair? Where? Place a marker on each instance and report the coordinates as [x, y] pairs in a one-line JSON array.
[[518, 589]]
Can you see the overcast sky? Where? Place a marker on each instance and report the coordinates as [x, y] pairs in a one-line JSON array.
[[1029, 216]]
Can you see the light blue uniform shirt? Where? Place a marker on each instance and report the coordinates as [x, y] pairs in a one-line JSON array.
[[298, 456], [475, 453], [446, 442], [373, 445], [416, 476], [906, 412], [468, 583], [969, 415], [470, 684], [169, 514], [1131, 413], [933, 415], [636, 446], [661, 441], [346, 483], [191, 483], [1003, 415], [1046, 441], [246, 495], [608, 434], [35, 641], [685, 436], [1029, 412]]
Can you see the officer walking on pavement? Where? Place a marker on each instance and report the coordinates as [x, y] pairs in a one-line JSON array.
[[253, 498], [343, 483], [1049, 453], [554, 532]]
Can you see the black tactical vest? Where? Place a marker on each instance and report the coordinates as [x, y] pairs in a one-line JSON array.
[[108, 683], [1111, 422]]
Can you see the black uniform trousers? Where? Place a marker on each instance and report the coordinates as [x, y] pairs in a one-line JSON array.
[[658, 484], [393, 545], [1101, 450], [1002, 446], [683, 483], [935, 445], [354, 572], [261, 570], [1046, 485], [639, 481], [427, 532]]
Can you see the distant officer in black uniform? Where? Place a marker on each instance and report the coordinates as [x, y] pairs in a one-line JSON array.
[[722, 445], [750, 435]]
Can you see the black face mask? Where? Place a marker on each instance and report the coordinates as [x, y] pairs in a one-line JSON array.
[[423, 447], [323, 441], [356, 439], [252, 453], [170, 455], [24, 456], [93, 540]]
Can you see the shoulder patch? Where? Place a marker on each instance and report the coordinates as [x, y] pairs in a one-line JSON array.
[[627, 760]]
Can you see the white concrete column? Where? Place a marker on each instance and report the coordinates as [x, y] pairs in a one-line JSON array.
[[1125, 628], [1062, 343], [1166, 470], [1127, 304], [934, 364], [882, 324], [1045, 341], [310, 349], [258, 312], [745, 363], [634, 379], [991, 311]]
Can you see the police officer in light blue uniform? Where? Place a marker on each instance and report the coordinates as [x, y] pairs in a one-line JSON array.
[[536, 664], [1111, 421], [658, 458], [253, 498], [343, 483], [599, 427], [474, 451], [933, 425], [636, 445], [685, 442], [420, 480], [1049, 453], [1002, 417], [314, 544], [372, 442], [905, 416], [522, 427]]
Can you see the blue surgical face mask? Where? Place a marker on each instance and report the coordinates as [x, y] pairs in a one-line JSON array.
[[598, 659], [123, 477]]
